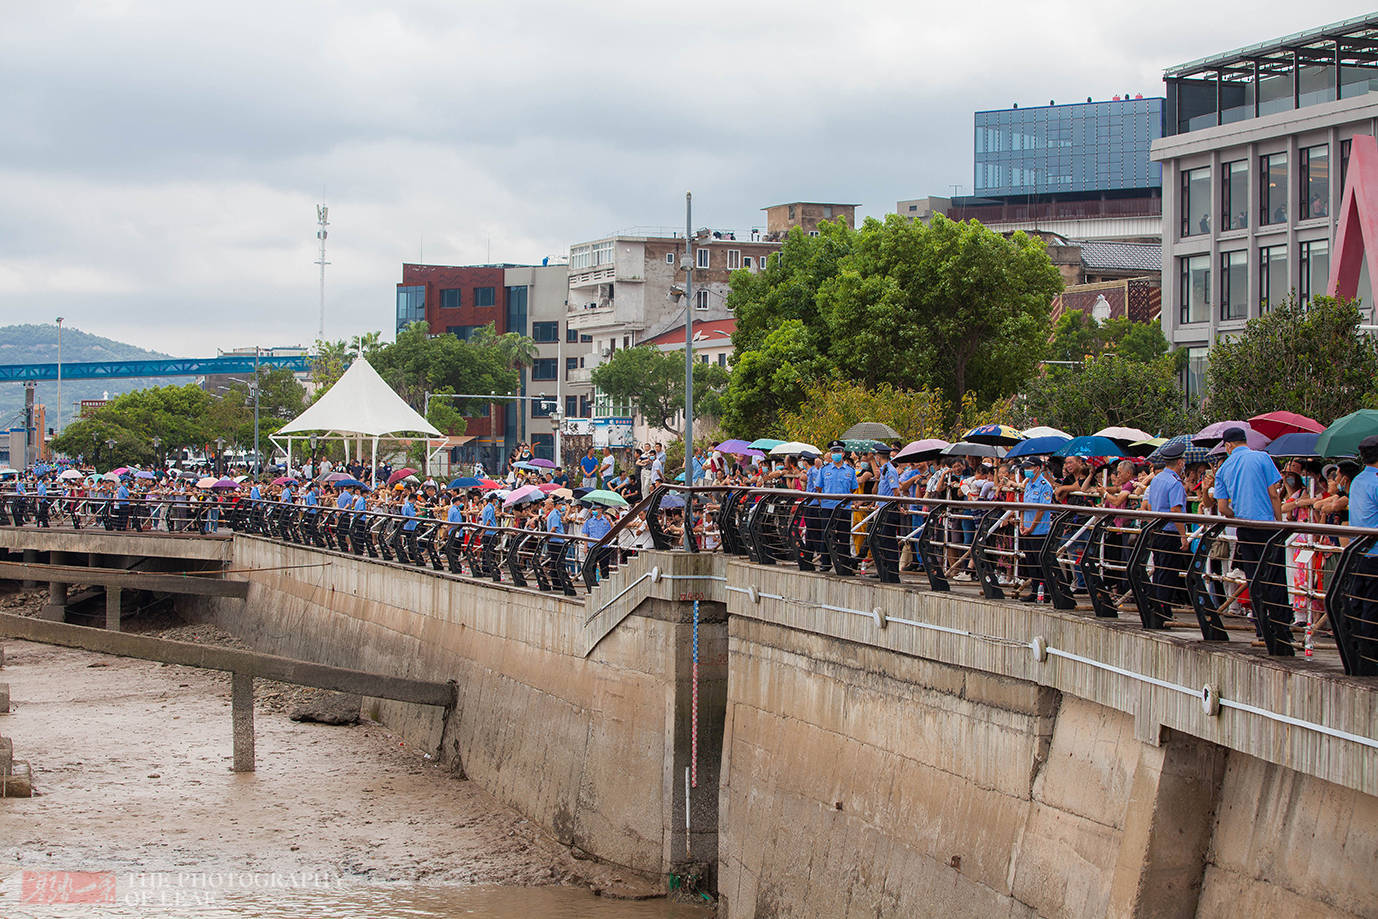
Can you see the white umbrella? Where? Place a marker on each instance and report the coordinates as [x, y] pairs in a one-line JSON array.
[[794, 448], [1044, 431], [1128, 435], [206, 482], [70, 474]]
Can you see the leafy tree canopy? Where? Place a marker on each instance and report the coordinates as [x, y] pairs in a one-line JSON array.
[[652, 381], [1309, 359]]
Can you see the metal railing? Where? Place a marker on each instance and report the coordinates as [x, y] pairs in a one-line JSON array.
[[1298, 587]]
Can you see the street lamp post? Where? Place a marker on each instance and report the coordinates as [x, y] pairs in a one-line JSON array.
[[110, 445], [157, 461], [258, 462], [59, 375], [688, 364], [220, 456]]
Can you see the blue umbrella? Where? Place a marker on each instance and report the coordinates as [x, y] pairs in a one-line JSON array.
[[671, 501], [529, 467], [465, 481], [1038, 446], [1298, 444], [351, 483], [1089, 446]]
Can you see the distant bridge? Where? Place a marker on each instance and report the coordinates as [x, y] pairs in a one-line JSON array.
[[174, 367]]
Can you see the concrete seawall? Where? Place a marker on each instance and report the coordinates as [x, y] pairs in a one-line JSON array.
[[592, 748], [863, 749]]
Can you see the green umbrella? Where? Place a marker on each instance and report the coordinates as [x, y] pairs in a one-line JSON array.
[[603, 496], [1343, 436], [764, 443]]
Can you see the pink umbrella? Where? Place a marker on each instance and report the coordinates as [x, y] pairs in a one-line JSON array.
[[339, 477], [400, 474], [1273, 425], [921, 449], [284, 480], [525, 493], [548, 487]]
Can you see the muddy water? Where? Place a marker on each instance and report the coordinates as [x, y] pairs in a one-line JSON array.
[[140, 815]]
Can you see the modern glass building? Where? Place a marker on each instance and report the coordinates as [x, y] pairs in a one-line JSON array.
[[1063, 149], [1253, 175]]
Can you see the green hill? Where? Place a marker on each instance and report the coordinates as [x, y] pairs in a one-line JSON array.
[[37, 344]]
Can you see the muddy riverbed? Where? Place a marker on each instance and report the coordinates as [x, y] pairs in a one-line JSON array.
[[131, 763]]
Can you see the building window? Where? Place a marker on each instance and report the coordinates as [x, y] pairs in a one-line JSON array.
[[791, 212], [571, 406], [626, 341], [1272, 277], [571, 364], [734, 259], [463, 332], [411, 306], [1195, 288], [669, 258], [1272, 188], [913, 207], [722, 358], [1234, 285], [451, 299], [1314, 182], [827, 211], [571, 336], [701, 257], [1315, 269], [746, 263], [813, 232], [1344, 163], [585, 407], [1194, 381], [585, 339], [701, 299], [544, 368], [1234, 202], [545, 332], [516, 310], [542, 408], [1196, 201], [483, 296]]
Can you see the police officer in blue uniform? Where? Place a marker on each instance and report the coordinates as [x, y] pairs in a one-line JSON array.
[[1166, 493], [41, 493], [837, 477], [888, 520], [1034, 525]]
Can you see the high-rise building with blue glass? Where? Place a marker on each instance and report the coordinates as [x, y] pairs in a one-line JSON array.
[[1068, 149]]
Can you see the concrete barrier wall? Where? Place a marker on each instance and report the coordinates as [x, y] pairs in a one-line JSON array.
[[589, 747]]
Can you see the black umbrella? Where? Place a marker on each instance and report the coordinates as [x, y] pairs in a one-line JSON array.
[[870, 430]]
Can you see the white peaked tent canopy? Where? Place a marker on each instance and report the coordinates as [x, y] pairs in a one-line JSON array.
[[360, 404]]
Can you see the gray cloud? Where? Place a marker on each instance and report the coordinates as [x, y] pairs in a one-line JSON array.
[[160, 160]]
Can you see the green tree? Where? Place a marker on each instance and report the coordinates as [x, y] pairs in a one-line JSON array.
[[1110, 389], [1077, 335], [952, 305], [832, 406], [180, 416], [772, 379], [281, 398], [1309, 359], [653, 382], [417, 363]]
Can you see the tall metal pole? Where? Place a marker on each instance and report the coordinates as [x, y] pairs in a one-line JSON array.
[[559, 399], [258, 460], [321, 213], [59, 375], [688, 363]]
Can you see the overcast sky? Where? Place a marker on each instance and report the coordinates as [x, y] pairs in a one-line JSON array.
[[160, 161]]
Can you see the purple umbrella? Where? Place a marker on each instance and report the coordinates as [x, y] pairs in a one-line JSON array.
[[543, 463], [735, 447], [525, 493], [1255, 440], [224, 484], [1212, 434]]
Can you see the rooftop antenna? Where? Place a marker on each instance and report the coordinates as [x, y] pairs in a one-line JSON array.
[[322, 212]]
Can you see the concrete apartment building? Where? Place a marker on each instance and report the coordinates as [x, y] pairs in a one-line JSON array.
[[529, 299], [619, 287], [1255, 159], [781, 218]]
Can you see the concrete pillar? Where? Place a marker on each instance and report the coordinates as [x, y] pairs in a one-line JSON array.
[[30, 558], [56, 610], [1167, 828], [4, 698], [6, 756], [112, 608], [242, 711]]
